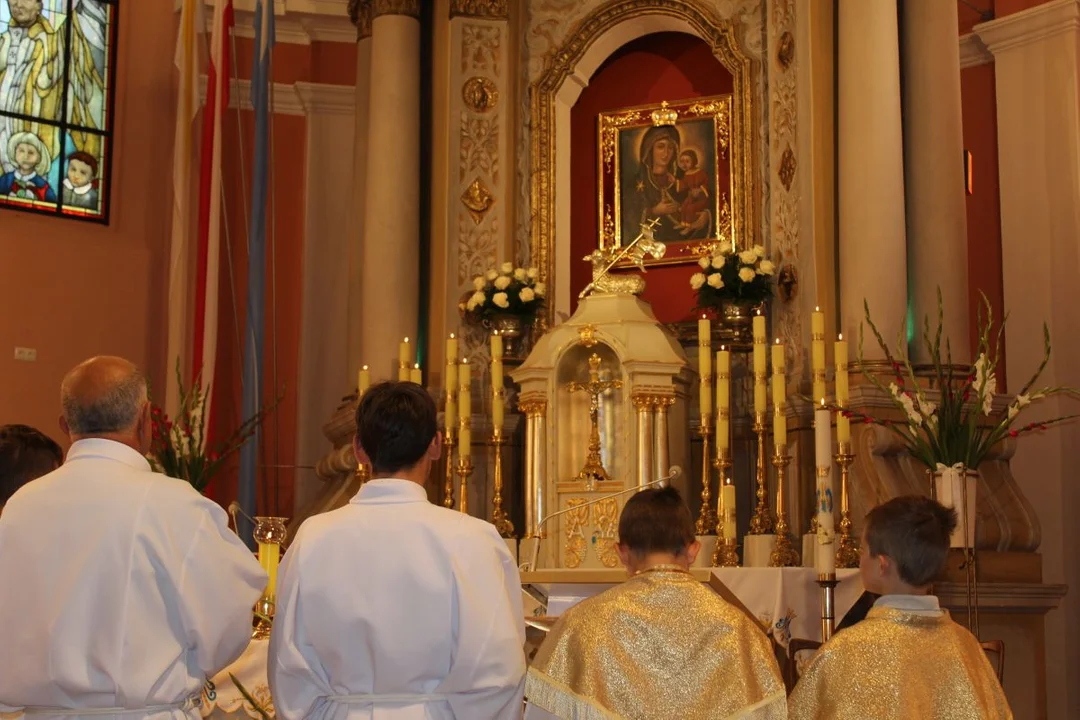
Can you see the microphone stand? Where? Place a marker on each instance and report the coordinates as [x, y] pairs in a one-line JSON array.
[[673, 472]]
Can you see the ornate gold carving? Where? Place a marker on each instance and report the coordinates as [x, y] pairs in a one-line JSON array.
[[606, 517], [479, 146], [785, 52], [609, 125], [480, 49], [411, 8], [532, 407], [787, 168], [559, 62], [720, 109], [593, 471], [587, 335], [664, 115], [576, 520], [491, 9], [480, 94], [477, 199], [360, 15]]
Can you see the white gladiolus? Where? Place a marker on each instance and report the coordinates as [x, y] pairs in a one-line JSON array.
[[704, 262], [478, 282], [527, 295], [532, 273], [540, 288], [767, 267], [718, 261], [492, 274], [984, 384], [502, 282], [715, 281], [506, 268], [697, 280], [748, 257], [747, 274], [501, 300], [914, 418], [519, 274]]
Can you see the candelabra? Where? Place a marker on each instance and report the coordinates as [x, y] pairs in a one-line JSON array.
[[498, 516], [448, 446], [847, 550], [784, 554], [725, 554], [706, 522], [761, 523], [464, 469], [828, 583]]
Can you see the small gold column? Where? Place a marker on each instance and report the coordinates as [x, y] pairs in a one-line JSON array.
[[534, 410], [847, 549], [498, 516], [706, 522], [784, 554], [645, 404], [661, 452], [761, 523]]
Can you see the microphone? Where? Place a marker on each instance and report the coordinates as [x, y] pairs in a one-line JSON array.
[[234, 510], [673, 472]]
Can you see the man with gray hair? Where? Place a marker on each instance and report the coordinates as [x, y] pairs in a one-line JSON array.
[[123, 589]]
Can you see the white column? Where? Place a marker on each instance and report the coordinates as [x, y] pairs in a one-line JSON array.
[[873, 256], [645, 440], [1037, 71], [390, 255], [662, 453], [934, 173], [360, 12]]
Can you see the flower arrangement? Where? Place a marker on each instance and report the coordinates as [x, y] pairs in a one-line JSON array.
[[180, 448], [507, 290], [962, 427], [728, 275]]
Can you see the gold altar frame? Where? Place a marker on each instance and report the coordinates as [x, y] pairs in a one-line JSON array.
[[561, 64], [714, 110]]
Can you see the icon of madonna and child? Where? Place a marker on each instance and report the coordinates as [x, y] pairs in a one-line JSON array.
[[670, 175]]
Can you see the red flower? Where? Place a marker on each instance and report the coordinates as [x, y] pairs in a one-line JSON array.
[[212, 457], [1013, 433]]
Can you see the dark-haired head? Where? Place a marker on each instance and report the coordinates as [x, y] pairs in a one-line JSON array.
[[396, 430], [25, 454], [905, 544], [656, 528]]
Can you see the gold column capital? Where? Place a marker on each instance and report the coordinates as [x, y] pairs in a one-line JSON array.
[[360, 15], [532, 407], [409, 8], [486, 9]]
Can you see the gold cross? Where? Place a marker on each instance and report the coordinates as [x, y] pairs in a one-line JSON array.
[[593, 471]]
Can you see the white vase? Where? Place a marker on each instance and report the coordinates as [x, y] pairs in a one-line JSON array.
[[949, 487]]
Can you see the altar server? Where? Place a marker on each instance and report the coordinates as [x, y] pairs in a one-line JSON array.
[[661, 645], [392, 608], [907, 659], [121, 589]]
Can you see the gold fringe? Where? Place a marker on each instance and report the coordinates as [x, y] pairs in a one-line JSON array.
[[551, 695]]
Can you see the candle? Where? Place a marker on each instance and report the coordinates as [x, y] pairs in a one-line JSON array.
[[269, 556], [817, 352], [843, 424], [465, 410], [704, 330], [363, 381], [759, 364], [403, 360], [779, 391], [723, 399], [451, 362], [415, 375], [496, 360], [727, 498], [825, 555]]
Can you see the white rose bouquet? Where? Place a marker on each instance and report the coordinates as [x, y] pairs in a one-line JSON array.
[[506, 290], [728, 275]]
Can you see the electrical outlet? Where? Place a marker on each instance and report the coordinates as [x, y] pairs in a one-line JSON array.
[[26, 354]]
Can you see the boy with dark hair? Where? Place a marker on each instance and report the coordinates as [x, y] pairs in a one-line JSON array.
[[908, 658], [661, 645], [25, 454], [391, 605]]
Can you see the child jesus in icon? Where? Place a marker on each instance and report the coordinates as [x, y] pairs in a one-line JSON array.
[[695, 183]]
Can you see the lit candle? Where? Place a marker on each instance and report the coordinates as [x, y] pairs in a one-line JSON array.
[[269, 556], [464, 410], [817, 352], [825, 555], [723, 399], [404, 355], [415, 375], [496, 360], [451, 362], [779, 390], [704, 330], [727, 497], [363, 381], [843, 424], [759, 364]]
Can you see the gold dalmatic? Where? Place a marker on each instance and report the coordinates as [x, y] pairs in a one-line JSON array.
[[897, 664], [661, 645]]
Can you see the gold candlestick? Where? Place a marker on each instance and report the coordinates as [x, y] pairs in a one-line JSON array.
[[449, 442], [847, 550], [498, 517], [784, 554], [828, 585], [726, 554], [464, 469], [706, 522], [761, 523]]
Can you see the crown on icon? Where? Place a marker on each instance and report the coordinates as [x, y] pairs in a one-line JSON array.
[[664, 115]]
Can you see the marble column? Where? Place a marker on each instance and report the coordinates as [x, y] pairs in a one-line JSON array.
[[934, 173], [360, 14], [1037, 76], [390, 252], [873, 255]]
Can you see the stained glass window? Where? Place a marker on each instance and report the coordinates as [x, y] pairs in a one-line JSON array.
[[57, 60]]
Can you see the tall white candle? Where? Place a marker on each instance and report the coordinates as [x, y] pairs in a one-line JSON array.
[[843, 424], [363, 381], [723, 399], [465, 409], [404, 357], [825, 555], [817, 353], [704, 328], [760, 364]]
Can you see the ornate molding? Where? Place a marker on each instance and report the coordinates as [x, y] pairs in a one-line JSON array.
[[409, 8], [360, 15], [973, 52], [1030, 26], [488, 9]]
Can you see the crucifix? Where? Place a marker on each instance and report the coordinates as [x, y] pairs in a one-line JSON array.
[[593, 471]]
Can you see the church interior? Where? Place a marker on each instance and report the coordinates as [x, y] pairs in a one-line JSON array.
[[743, 247]]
